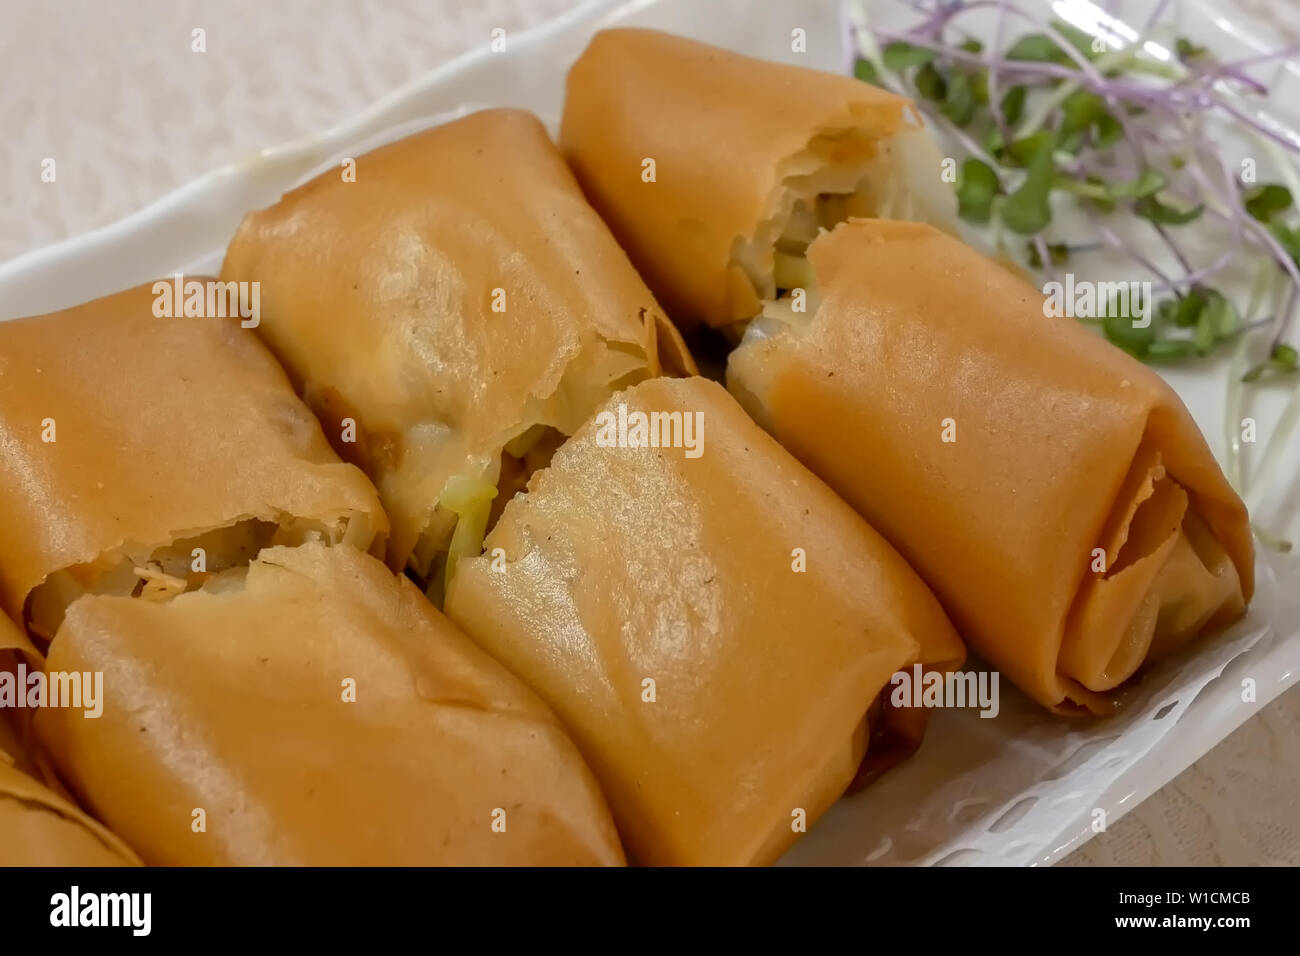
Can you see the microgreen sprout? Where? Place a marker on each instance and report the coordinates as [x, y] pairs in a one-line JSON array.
[[1050, 116]]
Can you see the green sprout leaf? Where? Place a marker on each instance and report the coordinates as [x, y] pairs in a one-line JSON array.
[[1081, 40], [1203, 335], [902, 56], [1081, 110], [1121, 329], [1167, 212], [1022, 151], [1096, 188], [1222, 315], [992, 141], [1013, 104], [866, 71], [1169, 350], [1207, 312], [1041, 48], [1148, 184], [930, 83], [1266, 201], [1057, 252], [1186, 310], [1107, 132], [1071, 142], [976, 186], [1028, 210], [1035, 48], [1103, 206], [1187, 51], [959, 101], [1282, 360], [1288, 237]]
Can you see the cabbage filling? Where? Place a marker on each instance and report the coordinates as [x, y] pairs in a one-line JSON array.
[[840, 174], [470, 505], [186, 564], [470, 501]]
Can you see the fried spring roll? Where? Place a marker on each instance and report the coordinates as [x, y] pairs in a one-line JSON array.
[[750, 159], [1054, 492], [141, 454], [712, 627], [315, 709], [37, 826], [40, 828], [16, 653], [462, 307]]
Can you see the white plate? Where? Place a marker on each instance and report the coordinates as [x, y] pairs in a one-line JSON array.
[[1023, 790]]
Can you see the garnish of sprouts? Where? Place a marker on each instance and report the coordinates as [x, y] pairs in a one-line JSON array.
[[1048, 114]]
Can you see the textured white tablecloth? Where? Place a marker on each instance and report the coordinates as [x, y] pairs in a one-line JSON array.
[[112, 91]]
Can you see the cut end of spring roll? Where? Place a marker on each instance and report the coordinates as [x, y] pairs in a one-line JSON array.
[[316, 710], [143, 453], [708, 619], [1054, 492], [716, 170], [451, 308]]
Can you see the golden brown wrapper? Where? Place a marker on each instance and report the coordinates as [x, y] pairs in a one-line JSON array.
[[622, 565], [727, 133], [37, 826], [378, 295], [235, 701], [1062, 444], [15, 645], [124, 432], [16, 648]]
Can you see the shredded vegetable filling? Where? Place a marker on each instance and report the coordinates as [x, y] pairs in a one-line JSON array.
[[841, 174], [186, 564], [470, 505]]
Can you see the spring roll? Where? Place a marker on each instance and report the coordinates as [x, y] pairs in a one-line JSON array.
[[37, 826], [315, 709], [1054, 492], [715, 170], [18, 658], [712, 624], [142, 453], [450, 308]]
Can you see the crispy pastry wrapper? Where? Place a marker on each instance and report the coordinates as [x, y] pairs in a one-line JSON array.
[[40, 828], [128, 439], [17, 648], [1065, 449], [234, 699], [37, 826], [457, 294], [624, 565], [736, 143]]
